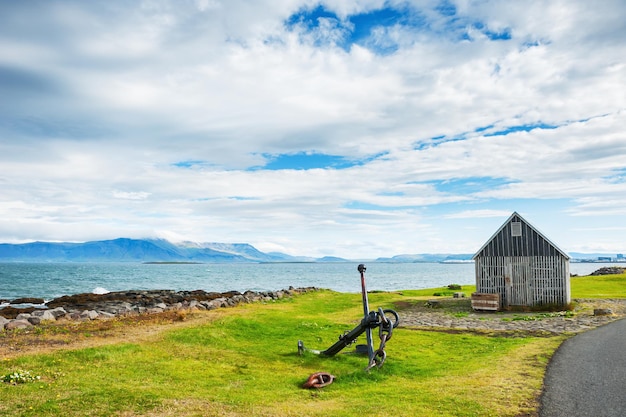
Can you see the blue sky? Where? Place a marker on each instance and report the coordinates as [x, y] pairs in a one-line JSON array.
[[340, 128]]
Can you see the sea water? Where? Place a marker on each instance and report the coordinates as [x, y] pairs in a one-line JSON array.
[[51, 280]]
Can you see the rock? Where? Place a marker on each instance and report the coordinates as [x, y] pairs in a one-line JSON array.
[[602, 312], [34, 320], [45, 315], [609, 270], [12, 312], [17, 324], [3, 321], [73, 316], [459, 295], [23, 316], [58, 312], [89, 315], [28, 300]]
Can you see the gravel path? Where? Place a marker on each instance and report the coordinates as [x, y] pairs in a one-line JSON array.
[[458, 315]]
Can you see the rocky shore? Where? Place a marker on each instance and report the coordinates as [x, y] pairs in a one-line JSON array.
[[88, 306]]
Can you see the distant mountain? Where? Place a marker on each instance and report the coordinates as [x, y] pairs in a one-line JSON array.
[[160, 250], [134, 250], [331, 259], [428, 257]]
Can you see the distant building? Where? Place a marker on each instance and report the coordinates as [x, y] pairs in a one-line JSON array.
[[521, 265]]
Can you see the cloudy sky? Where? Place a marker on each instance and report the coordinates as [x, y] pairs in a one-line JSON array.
[[346, 128]]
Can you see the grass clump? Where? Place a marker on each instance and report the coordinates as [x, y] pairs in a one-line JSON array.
[[19, 377]]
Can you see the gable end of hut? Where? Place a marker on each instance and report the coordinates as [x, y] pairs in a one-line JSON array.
[[523, 266]]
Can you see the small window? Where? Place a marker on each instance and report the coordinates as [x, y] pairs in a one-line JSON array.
[[516, 229]]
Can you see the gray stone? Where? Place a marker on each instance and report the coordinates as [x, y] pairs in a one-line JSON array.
[[34, 320], [23, 316], [602, 312], [18, 324], [58, 312], [47, 316], [89, 314]]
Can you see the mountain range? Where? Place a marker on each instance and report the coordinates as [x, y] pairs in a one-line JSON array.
[[137, 250], [160, 250]]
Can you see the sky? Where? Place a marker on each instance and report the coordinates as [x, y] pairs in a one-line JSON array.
[[357, 129]]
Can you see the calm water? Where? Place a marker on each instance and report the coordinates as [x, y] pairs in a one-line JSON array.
[[51, 280]]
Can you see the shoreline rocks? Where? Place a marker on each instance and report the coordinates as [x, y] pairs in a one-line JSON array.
[[609, 270], [89, 306]]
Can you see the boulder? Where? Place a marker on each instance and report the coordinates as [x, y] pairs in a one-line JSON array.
[[18, 324], [58, 312], [89, 315], [44, 315], [34, 320], [23, 316]]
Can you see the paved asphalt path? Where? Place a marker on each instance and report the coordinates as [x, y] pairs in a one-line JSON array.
[[587, 375]]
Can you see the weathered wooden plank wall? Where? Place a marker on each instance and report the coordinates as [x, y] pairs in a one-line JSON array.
[[524, 280]]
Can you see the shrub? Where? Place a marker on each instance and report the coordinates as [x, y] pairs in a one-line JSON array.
[[454, 287]]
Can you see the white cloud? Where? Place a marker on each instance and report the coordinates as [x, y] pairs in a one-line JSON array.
[[102, 100]]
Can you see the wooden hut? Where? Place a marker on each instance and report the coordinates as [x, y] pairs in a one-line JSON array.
[[521, 266]]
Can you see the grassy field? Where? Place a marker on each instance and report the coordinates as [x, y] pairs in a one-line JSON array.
[[605, 286], [244, 361]]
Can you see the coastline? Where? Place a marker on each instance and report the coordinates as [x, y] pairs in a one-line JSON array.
[[90, 306]]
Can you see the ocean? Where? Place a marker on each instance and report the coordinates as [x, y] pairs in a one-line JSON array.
[[52, 280]]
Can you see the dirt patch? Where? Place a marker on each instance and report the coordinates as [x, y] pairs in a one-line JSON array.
[[76, 334]]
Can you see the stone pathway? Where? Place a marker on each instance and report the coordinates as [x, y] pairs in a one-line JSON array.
[[550, 323]]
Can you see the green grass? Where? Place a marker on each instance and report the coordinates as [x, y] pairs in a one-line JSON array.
[[245, 362], [602, 286]]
